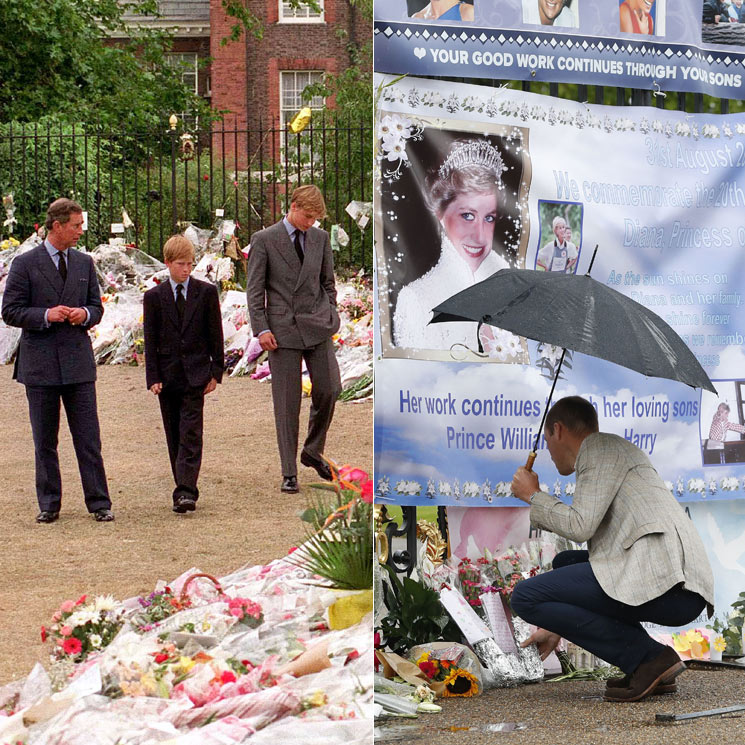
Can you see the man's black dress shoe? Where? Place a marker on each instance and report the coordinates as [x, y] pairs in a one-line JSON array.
[[184, 504], [47, 516], [289, 485], [103, 515], [322, 468]]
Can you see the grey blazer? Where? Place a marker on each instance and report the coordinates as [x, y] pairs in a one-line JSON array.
[[60, 354], [640, 539], [296, 302]]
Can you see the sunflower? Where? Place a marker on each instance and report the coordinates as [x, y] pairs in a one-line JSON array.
[[460, 682]]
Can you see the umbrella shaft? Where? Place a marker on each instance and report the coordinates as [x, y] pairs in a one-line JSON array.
[[548, 403]]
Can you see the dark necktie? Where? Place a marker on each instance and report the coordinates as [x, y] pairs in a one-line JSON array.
[[62, 266], [298, 247], [180, 303]]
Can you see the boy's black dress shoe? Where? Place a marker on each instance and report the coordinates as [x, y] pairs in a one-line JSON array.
[[103, 515], [47, 516], [322, 468], [184, 504], [289, 485]]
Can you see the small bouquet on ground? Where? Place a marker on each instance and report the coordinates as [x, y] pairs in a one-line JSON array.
[[83, 626], [451, 669], [156, 607], [246, 611]]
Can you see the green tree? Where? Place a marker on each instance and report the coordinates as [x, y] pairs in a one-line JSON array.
[[58, 59]]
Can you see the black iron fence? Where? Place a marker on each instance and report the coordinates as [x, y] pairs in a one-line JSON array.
[[166, 179]]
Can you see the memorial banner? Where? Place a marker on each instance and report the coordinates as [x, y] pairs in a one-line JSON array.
[[473, 179], [688, 45]]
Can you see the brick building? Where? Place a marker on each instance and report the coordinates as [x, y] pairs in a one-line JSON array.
[[260, 81]]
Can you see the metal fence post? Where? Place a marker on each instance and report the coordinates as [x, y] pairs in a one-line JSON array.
[[173, 121]]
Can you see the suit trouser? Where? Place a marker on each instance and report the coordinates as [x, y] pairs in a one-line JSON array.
[[182, 409], [569, 601], [79, 400], [286, 367]]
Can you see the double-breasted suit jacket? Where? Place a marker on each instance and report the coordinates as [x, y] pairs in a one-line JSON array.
[[296, 302], [60, 353]]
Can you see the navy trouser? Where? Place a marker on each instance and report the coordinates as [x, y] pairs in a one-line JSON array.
[[569, 601], [79, 400]]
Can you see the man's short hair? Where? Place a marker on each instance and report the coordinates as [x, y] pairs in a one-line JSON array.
[[577, 414], [309, 198], [60, 210], [178, 248]]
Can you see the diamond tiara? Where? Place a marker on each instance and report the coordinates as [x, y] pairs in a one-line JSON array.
[[473, 152]]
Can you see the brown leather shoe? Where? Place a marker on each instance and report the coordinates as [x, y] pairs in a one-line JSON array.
[[647, 677], [665, 686]]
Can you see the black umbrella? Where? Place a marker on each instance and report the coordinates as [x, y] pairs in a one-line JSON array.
[[576, 312]]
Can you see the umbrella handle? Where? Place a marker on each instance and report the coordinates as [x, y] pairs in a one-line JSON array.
[[531, 460]]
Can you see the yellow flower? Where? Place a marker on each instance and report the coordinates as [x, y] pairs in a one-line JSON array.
[[719, 644], [693, 636], [460, 682], [681, 643], [424, 657], [184, 665]]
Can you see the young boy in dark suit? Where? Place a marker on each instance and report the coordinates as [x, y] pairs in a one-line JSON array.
[[183, 361]]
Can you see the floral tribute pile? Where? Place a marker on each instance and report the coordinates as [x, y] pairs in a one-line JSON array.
[[125, 273], [250, 658]]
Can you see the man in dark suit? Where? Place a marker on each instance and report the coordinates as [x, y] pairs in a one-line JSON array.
[[292, 307], [183, 362], [52, 294]]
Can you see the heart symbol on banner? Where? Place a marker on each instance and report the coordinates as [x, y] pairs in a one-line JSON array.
[[419, 52]]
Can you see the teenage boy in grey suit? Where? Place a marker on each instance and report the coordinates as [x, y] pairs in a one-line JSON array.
[[52, 294], [292, 306], [645, 562], [183, 362]]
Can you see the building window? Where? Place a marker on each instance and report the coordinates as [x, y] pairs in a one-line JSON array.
[[187, 65], [291, 86], [302, 14]]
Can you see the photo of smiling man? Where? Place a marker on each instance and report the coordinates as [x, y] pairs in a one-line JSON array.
[[551, 13]]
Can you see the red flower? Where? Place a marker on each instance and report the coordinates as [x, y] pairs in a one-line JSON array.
[[206, 177], [428, 668], [43, 633], [80, 600], [161, 657], [353, 655], [72, 646], [367, 492], [227, 677]]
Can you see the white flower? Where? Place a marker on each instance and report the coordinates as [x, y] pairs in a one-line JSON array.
[[697, 485], [104, 602], [409, 488], [669, 486], [81, 617], [569, 489], [471, 489], [384, 486], [95, 641], [394, 124], [682, 129], [444, 488], [727, 130], [503, 489], [394, 147]]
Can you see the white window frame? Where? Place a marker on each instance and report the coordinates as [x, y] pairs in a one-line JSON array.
[[287, 112], [302, 15], [181, 62]]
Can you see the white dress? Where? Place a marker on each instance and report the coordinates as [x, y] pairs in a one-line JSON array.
[[416, 300]]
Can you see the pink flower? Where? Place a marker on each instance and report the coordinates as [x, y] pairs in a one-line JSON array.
[[66, 630], [227, 677], [67, 606], [237, 612], [367, 492]]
